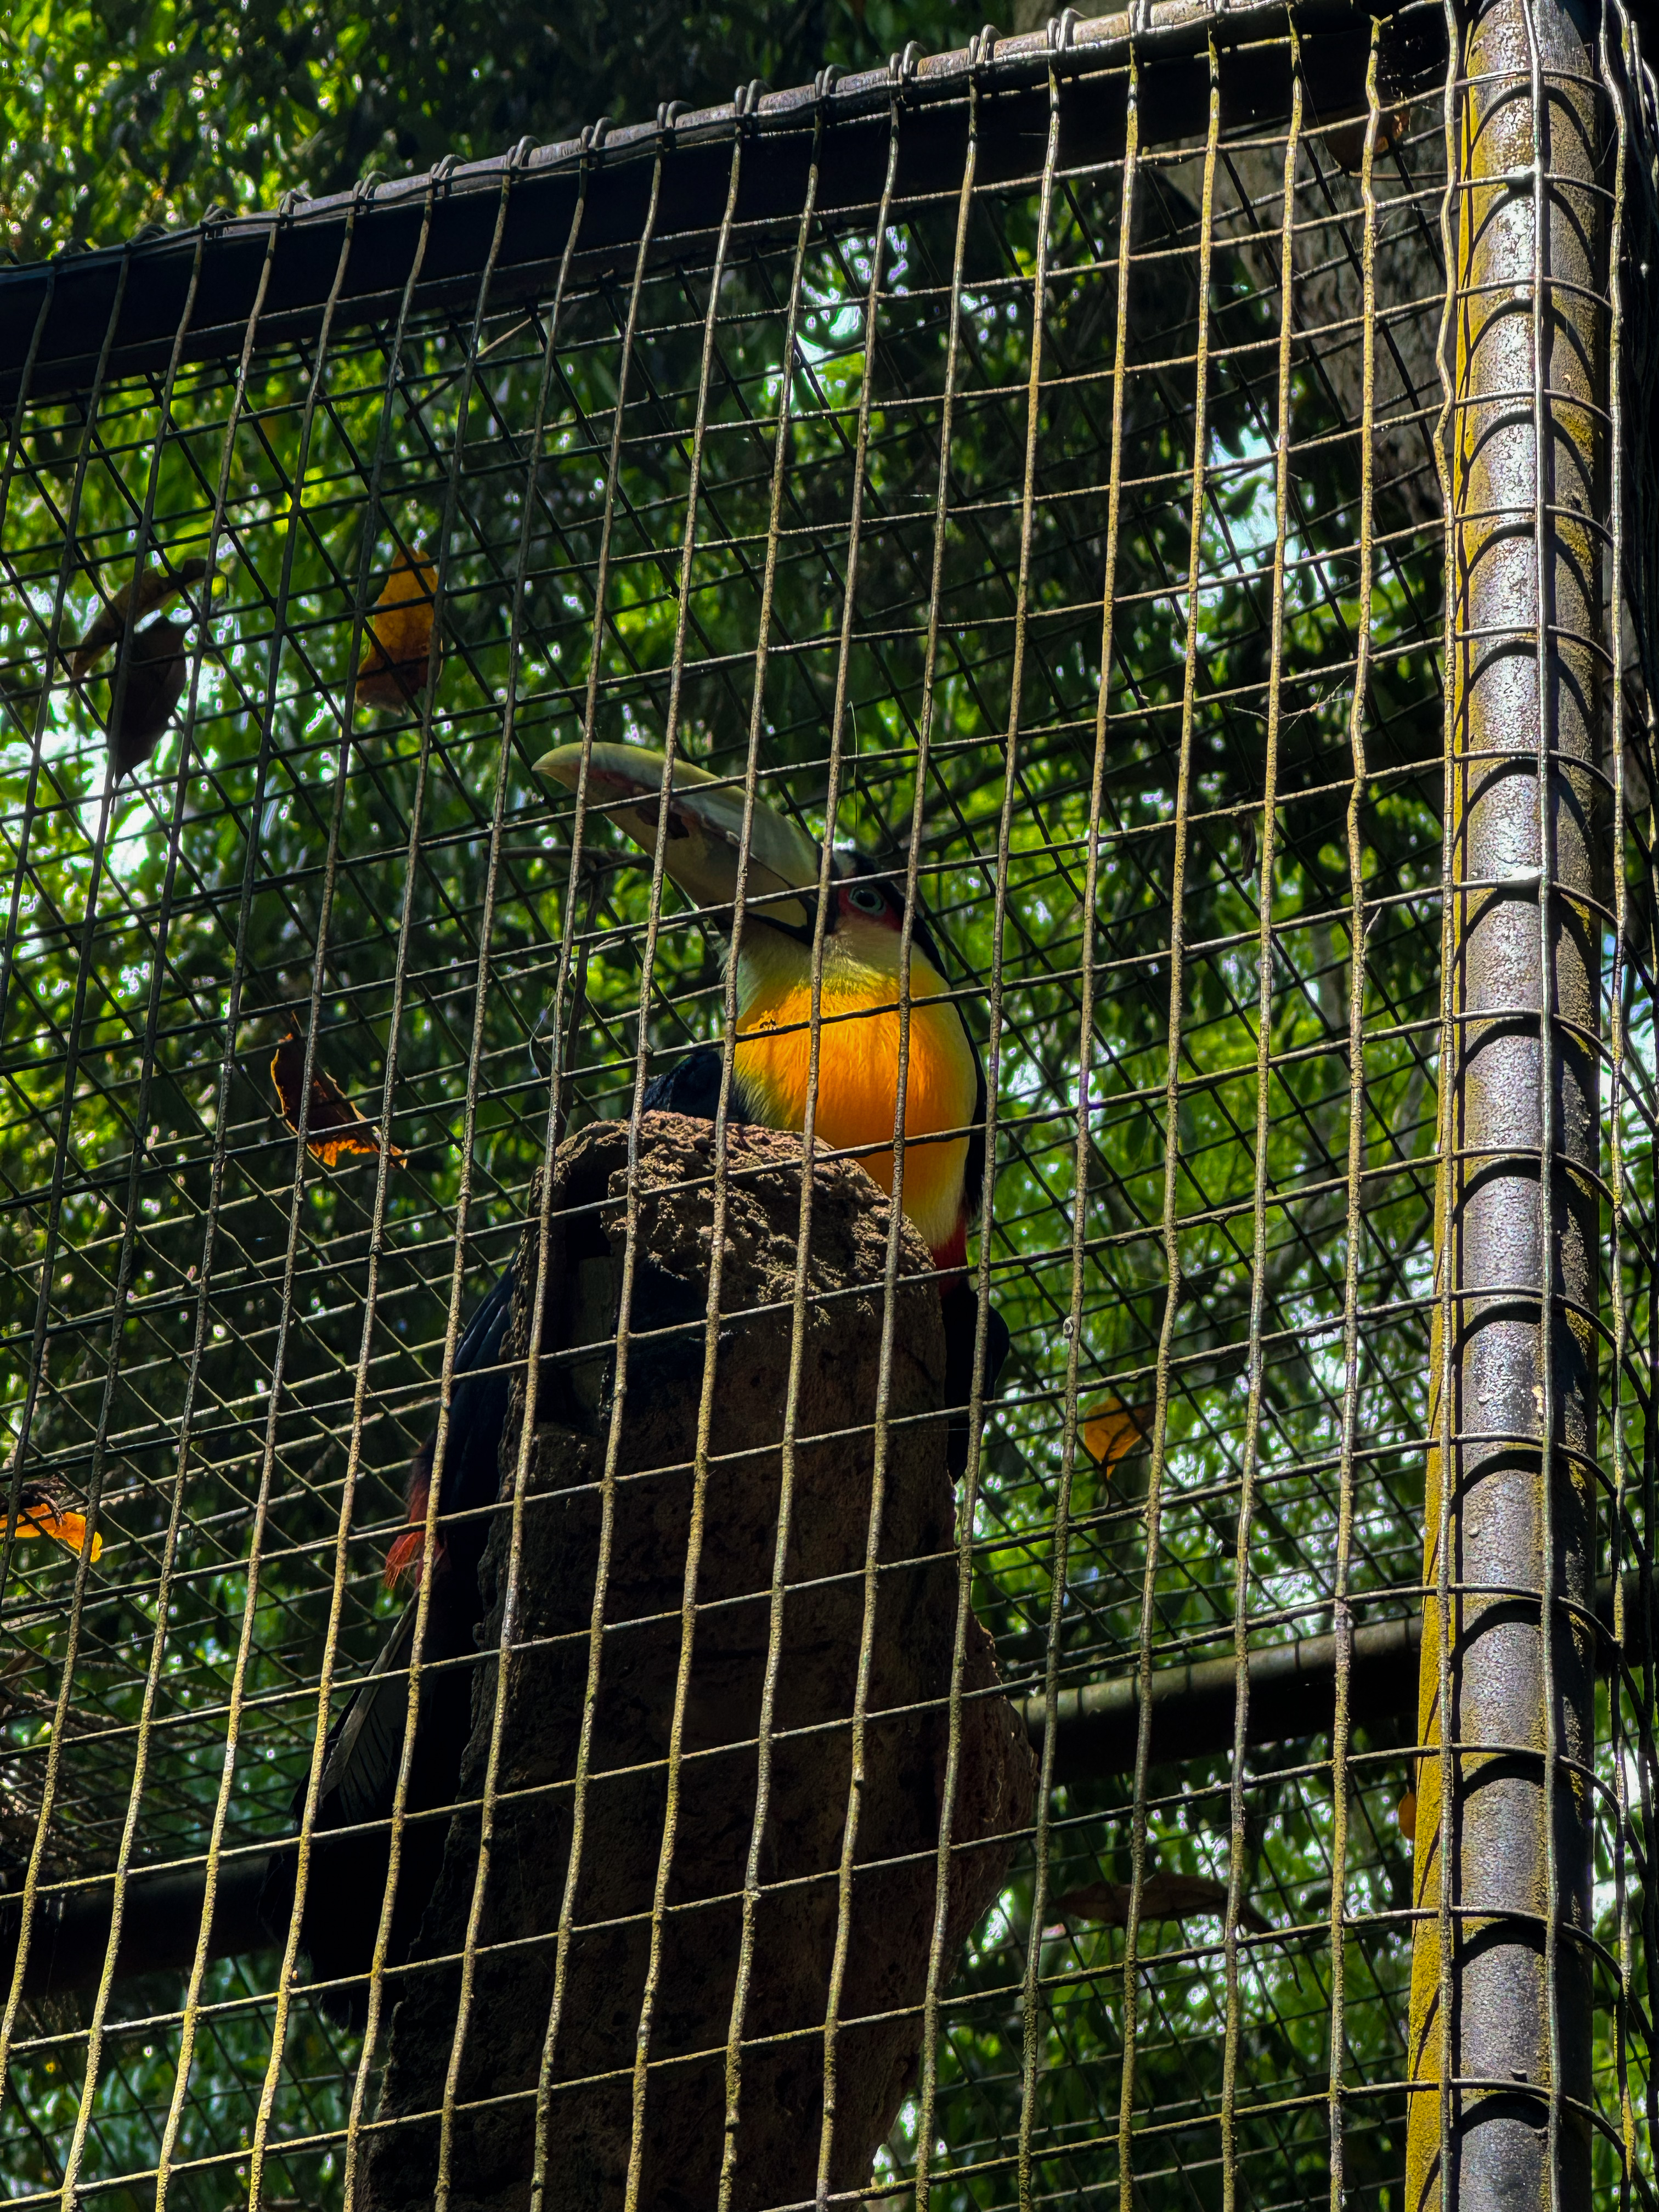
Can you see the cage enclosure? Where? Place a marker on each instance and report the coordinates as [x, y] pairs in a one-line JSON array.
[[1161, 510]]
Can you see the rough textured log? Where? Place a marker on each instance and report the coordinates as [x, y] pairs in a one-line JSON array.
[[590, 2106]]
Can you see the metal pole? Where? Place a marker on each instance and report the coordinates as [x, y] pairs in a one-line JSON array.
[[1500, 2025]]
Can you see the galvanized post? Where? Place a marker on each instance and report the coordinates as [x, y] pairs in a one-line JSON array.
[[1501, 1987]]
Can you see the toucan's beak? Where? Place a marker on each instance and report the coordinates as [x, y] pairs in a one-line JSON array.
[[705, 829]]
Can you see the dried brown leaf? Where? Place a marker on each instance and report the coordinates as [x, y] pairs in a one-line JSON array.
[[1110, 1430], [335, 1130], [394, 663]]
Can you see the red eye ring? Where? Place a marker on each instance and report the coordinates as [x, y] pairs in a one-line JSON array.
[[866, 897]]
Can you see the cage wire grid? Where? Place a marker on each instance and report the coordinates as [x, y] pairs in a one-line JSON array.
[[944, 459]]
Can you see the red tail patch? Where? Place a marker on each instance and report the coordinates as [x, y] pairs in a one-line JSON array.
[[407, 1550]]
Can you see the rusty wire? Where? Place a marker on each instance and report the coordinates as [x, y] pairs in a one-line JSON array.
[[1027, 471]]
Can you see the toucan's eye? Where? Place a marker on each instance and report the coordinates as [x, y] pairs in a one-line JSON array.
[[866, 898]]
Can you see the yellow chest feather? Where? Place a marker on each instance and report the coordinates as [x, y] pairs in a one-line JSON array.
[[858, 1069]]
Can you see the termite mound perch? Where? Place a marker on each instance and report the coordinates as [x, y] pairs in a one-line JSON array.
[[588, 2100]]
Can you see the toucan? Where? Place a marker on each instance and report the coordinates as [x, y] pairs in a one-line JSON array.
[[857, 1111], [856, 1106]]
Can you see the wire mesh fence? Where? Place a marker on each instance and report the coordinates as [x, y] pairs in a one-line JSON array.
[[1027, 469]]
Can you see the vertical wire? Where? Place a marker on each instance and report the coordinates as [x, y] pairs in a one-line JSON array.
[[452, 1332], [809, 1134], [716, 1249], [1617, 493], [1342, 1613], [190, 2012], [613, 1439], [48, 1265], [766, 1720], [939, 1966], [147, 1706], [1542, 581], [296, 1197], [555, 1112], [1255, 1353], [1031, 2053], [896, 1227], [124, 1278], [371, 1288], [43, 704], [19, 873], [1647, 835], [20, 406], [1646, 1685], [301, 1154], [1438, 1762], [274, 1396], [1127, 2191], [1640, 86], [1082, 1143], [19, 421]]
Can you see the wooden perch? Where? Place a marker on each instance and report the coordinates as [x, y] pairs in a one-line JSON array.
[[795, 1934]]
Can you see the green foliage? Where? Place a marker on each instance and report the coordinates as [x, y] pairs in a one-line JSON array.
[[284, 852], [408, 870], [152, 111]]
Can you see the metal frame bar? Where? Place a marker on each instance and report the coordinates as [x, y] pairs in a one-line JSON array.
[[1501, 1998]]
